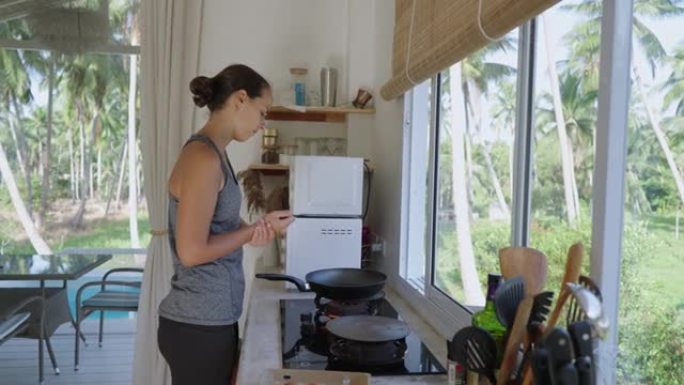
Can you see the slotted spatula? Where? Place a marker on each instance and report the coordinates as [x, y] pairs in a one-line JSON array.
[[531, 264], [507, 298], [477, 350]]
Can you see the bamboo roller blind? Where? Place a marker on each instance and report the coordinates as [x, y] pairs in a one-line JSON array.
[[443, 32]]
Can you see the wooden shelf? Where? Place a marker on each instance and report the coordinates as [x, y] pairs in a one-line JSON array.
[[280, 169], [316, 114], [270, 169]]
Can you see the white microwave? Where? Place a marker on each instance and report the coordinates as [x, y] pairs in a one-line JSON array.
[[326, 186]]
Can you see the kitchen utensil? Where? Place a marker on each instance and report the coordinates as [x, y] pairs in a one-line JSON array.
[[580, 333], [573, 265], [567, 375], [535, 330], [541, 307], [561, 354], [591, 307], [516, 261], [336, 284], [328, 86], [477, 350], [531, 264], [507, 298], [540, 366], [368, 328], [574, 313]]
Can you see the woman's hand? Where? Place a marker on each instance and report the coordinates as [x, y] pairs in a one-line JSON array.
[[263, 233], [279, 220]]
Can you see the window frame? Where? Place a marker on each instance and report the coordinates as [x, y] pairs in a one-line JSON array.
[[443, 312]]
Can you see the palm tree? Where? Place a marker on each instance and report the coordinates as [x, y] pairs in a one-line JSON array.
[[86, 86], [585, 38], [126, 18], [46, 67], [504, 118], [15, 90], [477, 75], [675, 82], [456, 119], [22, 213], [567, 162], [578, 106]]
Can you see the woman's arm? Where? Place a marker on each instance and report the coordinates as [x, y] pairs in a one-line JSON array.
[[201, 178]]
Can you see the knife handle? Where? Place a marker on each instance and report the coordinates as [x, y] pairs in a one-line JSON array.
[[540, 366], [580, 332], [585, 371], [567, 375]]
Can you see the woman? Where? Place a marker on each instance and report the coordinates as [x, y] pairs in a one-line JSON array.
[[198, 333]]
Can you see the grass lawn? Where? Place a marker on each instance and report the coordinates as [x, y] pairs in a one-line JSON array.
[[665, 266]]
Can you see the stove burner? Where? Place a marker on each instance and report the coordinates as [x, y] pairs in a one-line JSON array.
[[328, 309], [360, 353], [306, 344]]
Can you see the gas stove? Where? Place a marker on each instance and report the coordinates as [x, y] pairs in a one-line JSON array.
[[305, 339]]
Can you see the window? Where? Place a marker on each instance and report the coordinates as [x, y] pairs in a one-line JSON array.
[[566, 107], [471, 147], [418, 106], [474, 145], [74, 185], [458, 208], [651, 341]]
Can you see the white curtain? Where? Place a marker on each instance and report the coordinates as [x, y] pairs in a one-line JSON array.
[[171, 35]]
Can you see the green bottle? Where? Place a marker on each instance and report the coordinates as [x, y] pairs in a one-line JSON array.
[[487, 320]]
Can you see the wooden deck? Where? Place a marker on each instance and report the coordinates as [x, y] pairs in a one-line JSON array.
[[109, 365]]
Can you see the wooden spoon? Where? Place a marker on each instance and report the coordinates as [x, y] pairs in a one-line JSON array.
[[531, 264], [573, 266]]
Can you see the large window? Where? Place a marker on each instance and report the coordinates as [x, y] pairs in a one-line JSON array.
[[465, 199], [651, 334], [69, 111], [566, 106], [459, 153], [474, 146]]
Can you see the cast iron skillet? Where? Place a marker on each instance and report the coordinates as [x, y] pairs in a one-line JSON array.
[[336, 284]]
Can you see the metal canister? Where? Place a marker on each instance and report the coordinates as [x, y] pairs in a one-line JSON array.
[[328, 86]]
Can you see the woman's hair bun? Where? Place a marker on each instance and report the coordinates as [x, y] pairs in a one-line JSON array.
[[202, 89]]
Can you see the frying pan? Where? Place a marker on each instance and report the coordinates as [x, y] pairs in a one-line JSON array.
[[336, 284]]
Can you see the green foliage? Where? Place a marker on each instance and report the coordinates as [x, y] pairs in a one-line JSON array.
[[100, 234], [651, 330]]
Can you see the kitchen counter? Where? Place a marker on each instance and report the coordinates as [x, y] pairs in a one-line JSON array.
[[261, 345]]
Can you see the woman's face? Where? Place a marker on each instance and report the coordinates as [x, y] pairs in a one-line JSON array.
[[251, 114]]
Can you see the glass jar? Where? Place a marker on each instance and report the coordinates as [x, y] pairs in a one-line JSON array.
[[299, 85], [269, 156]]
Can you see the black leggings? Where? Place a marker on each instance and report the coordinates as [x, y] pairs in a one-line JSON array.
[[198, 355]]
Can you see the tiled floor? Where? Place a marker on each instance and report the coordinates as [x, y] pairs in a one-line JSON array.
[[109, 365]]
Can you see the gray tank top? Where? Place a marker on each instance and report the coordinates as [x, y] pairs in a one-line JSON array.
[[212, 293]]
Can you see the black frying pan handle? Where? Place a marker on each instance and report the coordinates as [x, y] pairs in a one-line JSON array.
[[301, 286]]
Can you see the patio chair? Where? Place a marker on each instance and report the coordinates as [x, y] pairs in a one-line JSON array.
[[106, 299], [16, 320]]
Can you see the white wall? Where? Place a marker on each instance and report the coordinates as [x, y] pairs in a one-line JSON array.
[[354, 36], [386, 143]]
